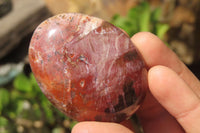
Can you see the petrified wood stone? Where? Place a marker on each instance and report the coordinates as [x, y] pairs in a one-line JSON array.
[[88, 68]]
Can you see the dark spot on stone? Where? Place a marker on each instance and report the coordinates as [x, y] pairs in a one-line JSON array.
[[129, 92], [83, 59], [72, 19], [62, 16], [129, 56], [37, 37], [57, 53], [107, 110], [49, 57], [98, 118], [41, 61], [120, 104]]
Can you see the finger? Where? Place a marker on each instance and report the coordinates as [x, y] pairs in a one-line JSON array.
[[152, 115], [155, 52], [155, 119], [99, 127], [176, 96]]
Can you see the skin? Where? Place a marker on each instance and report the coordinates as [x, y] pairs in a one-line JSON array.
[[172, 104]]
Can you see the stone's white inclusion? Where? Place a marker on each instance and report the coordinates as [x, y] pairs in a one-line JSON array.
[[82, 83], [90, 25], [69, 85], [51, 32], [38, 57], [67, 73]]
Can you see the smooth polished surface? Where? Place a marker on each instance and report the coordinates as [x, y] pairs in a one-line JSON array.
[[88, 68]]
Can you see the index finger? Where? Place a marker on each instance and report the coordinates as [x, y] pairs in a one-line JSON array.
[[155, 53]]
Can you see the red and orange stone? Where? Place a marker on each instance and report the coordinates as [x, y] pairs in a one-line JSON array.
[[88, 68]]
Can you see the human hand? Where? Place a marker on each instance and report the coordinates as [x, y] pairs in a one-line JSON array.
[[172, 104]]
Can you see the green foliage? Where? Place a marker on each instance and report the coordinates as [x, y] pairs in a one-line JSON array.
[[22, 83], [141, 18], [4, 98], [3, 122], [25, 104]]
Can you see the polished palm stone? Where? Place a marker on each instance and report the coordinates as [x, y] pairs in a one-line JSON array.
[[88, 68]]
